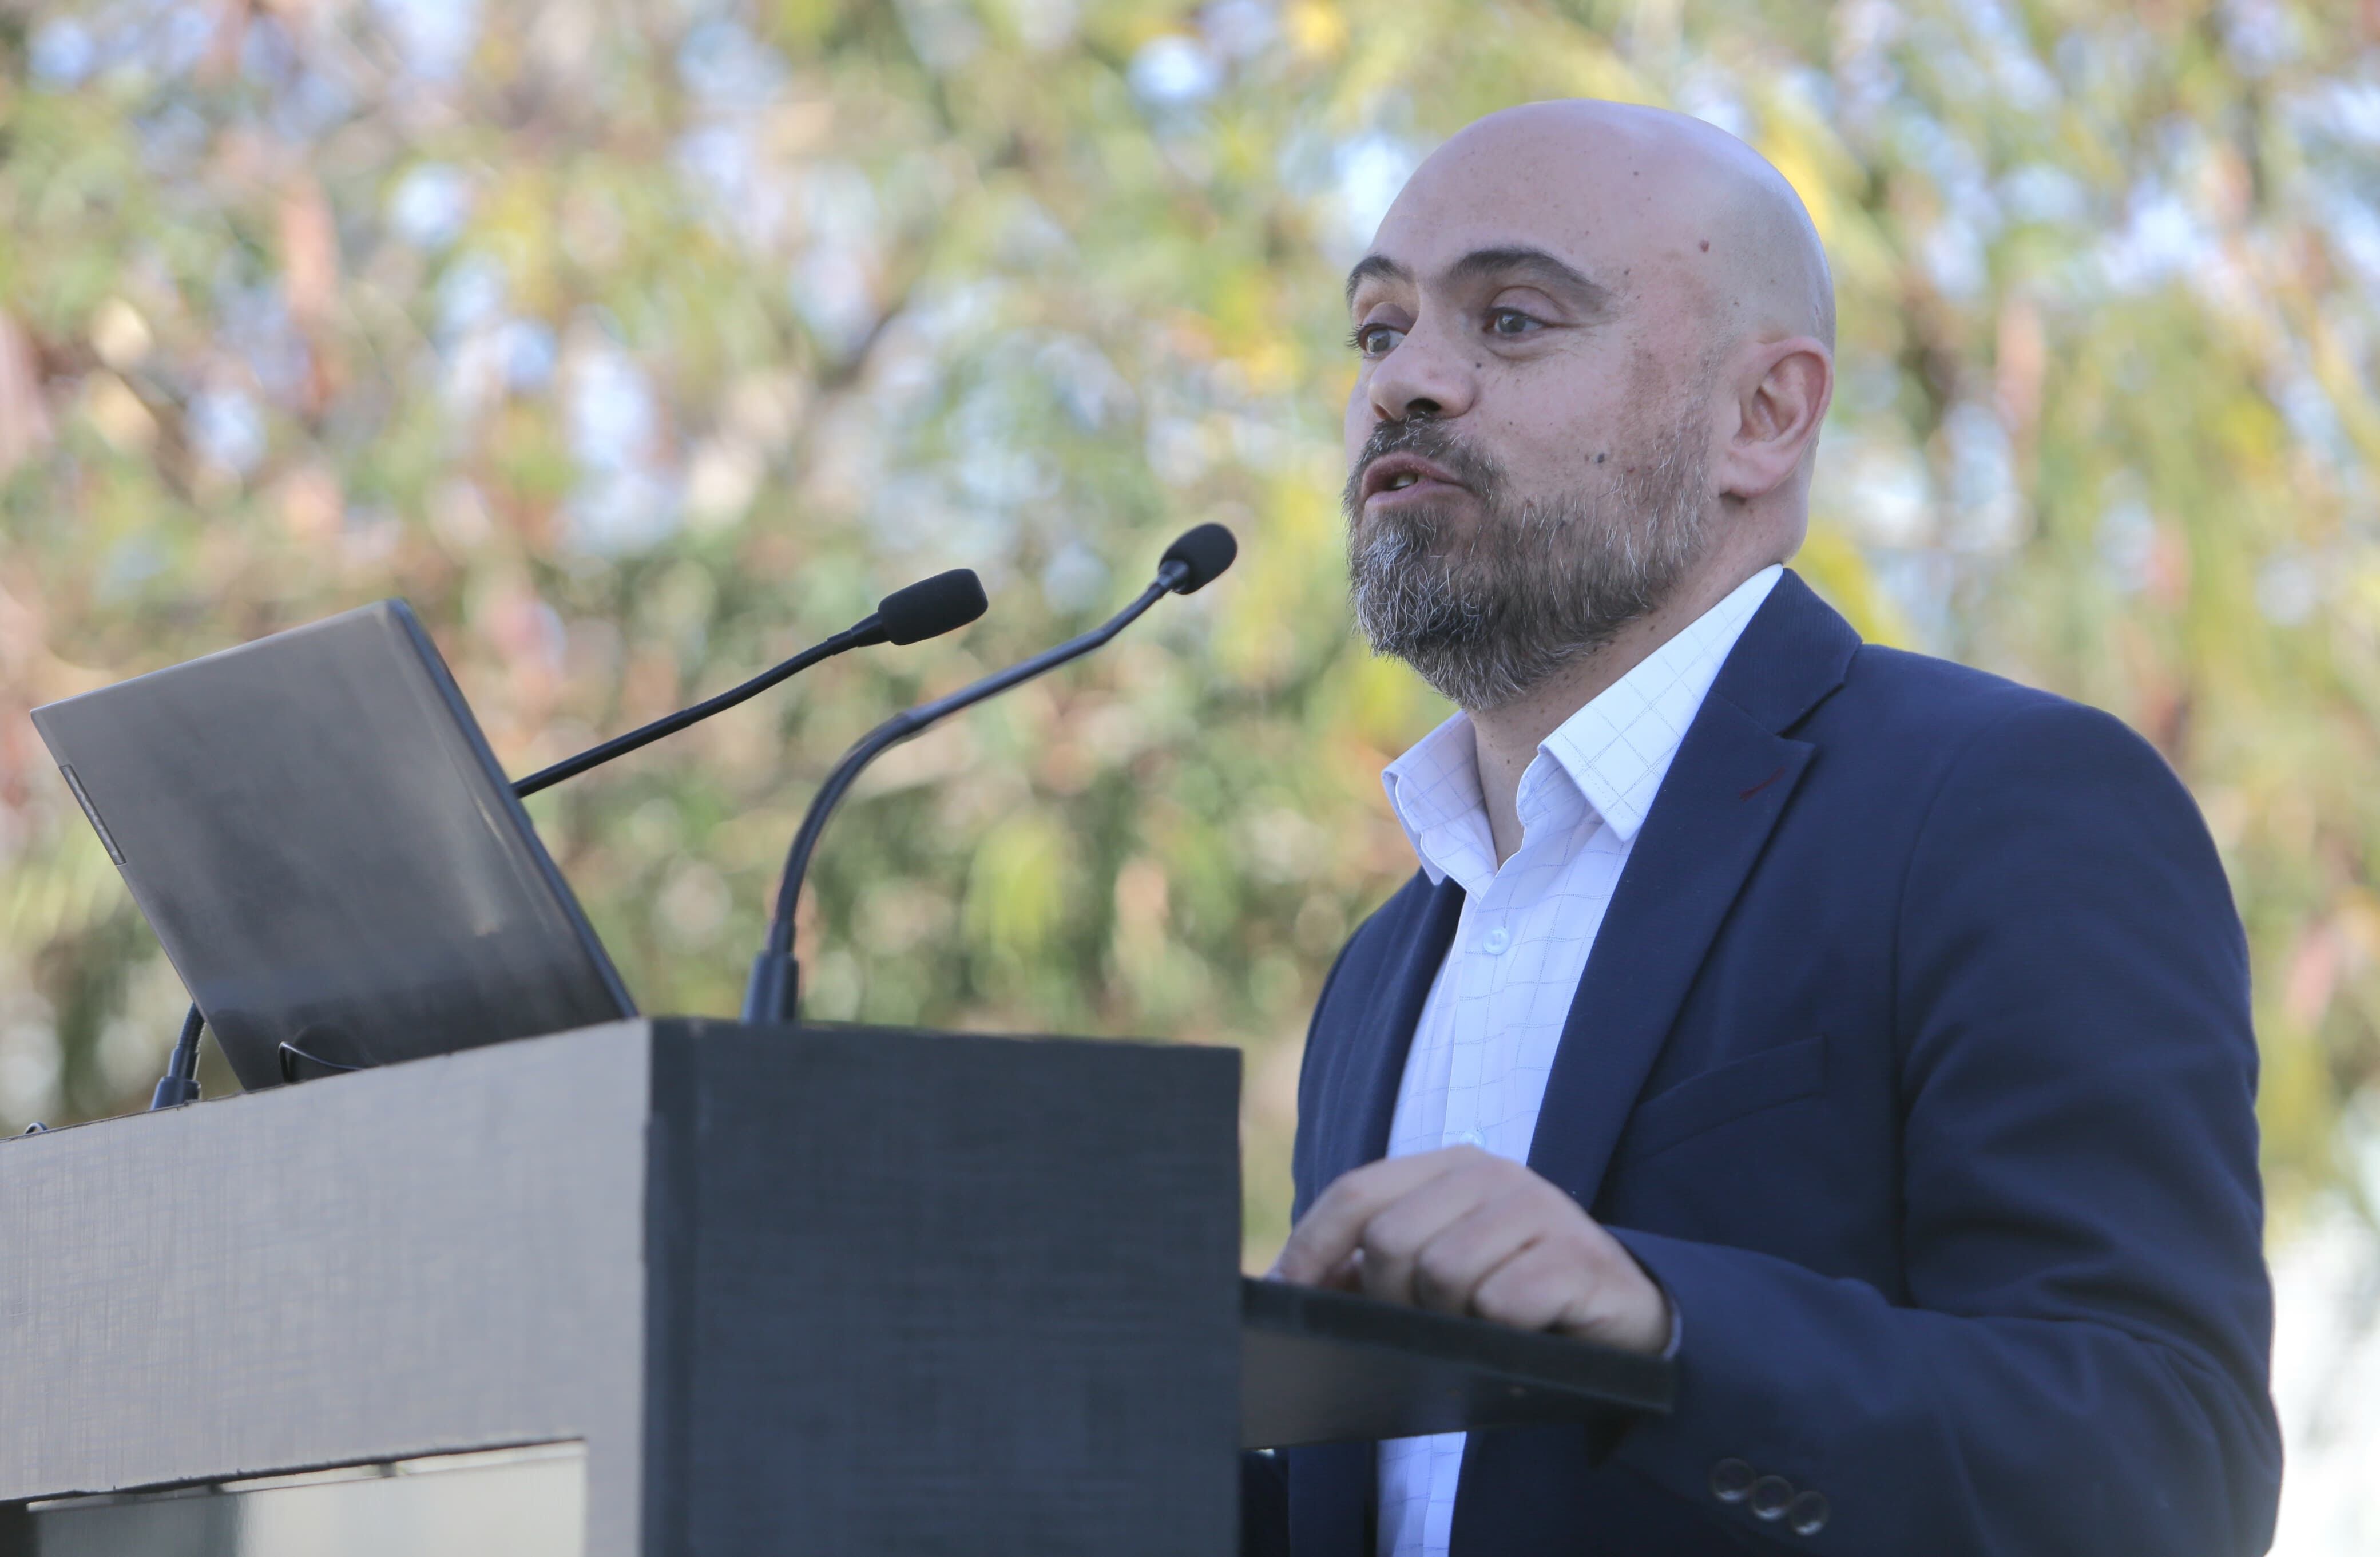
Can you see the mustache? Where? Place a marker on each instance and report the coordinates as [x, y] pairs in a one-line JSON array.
[[1430, 440]]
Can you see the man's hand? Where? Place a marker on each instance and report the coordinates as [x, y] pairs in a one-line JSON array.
[[1465, 1232]]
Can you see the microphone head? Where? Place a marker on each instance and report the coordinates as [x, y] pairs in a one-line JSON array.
[[932, 607], [1204, 552]]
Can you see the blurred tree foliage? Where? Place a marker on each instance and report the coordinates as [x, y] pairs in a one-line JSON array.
[[639, 345]]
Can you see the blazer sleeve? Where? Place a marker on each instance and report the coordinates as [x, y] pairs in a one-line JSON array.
[[2079, 1361]]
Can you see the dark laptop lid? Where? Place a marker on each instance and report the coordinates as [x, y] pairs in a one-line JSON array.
[[324, 844]]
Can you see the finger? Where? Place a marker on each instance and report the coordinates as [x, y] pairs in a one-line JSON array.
[[1537, 1288], [1334, 1226], [1393, 1239], [1451, 1267], [1588, 1286]]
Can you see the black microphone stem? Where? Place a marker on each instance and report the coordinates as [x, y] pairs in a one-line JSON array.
[[620, 745], [773, 994], [913, 614], [180, 1083]]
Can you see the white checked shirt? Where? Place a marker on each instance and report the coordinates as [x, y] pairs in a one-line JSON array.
[[1484, 1045]]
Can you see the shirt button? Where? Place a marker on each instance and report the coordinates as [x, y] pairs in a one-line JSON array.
[[1471, 1138], [1770, 1496], [1496, 940], [1731, 1481], [1807, 1513]]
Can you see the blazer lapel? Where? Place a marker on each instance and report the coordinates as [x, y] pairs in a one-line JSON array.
[[1377, 1048], [1730, 783]]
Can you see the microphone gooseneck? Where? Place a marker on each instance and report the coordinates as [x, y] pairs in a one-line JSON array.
[[927, 608], [773, 993], [912, 613]]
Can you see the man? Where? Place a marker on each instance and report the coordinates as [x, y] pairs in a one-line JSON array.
[[1869, 1033]]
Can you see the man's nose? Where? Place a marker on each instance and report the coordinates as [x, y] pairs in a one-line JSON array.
[[1427, 375]]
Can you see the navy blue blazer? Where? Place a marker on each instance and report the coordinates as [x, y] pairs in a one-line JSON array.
[[1914, 1061]]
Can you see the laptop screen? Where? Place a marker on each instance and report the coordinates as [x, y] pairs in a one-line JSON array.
[[325, 847]]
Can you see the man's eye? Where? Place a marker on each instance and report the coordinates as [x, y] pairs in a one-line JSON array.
[[1511, 322], [1375, 340]]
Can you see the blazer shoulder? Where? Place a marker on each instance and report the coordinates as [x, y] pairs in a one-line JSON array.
[[1922, 705], [1994, 767], [1940, 696]]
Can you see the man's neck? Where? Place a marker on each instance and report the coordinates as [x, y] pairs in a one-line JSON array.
[[1505, 739]]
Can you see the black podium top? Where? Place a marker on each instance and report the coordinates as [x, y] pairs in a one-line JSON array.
[[1318, 1365]]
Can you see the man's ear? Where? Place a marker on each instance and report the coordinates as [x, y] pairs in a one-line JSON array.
[[1782, 394]]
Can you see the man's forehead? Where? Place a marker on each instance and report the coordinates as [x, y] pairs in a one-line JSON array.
[[1542, 177], [1597, 196]]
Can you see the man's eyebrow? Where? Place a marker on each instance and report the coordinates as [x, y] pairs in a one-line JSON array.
[[1519, 262], [1515, 261], [1371, 265]]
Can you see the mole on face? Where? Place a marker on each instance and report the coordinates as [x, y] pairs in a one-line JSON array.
[[1706, 246], [1601, 458]]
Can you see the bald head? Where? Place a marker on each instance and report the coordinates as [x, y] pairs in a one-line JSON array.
[[1595, 343], [1644, 187]]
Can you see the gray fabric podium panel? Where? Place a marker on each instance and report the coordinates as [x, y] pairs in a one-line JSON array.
[[438, 1256], [832, 1291]]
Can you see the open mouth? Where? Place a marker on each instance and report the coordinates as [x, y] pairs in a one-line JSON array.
[[1402, 473]]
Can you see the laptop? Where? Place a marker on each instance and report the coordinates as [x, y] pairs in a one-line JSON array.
[[337, 867]]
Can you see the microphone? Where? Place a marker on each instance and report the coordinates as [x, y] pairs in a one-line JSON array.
[[927, 608], [1193, 562]]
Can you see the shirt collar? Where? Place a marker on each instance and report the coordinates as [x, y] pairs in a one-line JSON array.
[[1434, 789], [1615, 750]]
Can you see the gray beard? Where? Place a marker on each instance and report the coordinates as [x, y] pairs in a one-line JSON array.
[[1488, 615]]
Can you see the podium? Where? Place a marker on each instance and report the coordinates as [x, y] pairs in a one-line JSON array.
[[676, 1286]]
